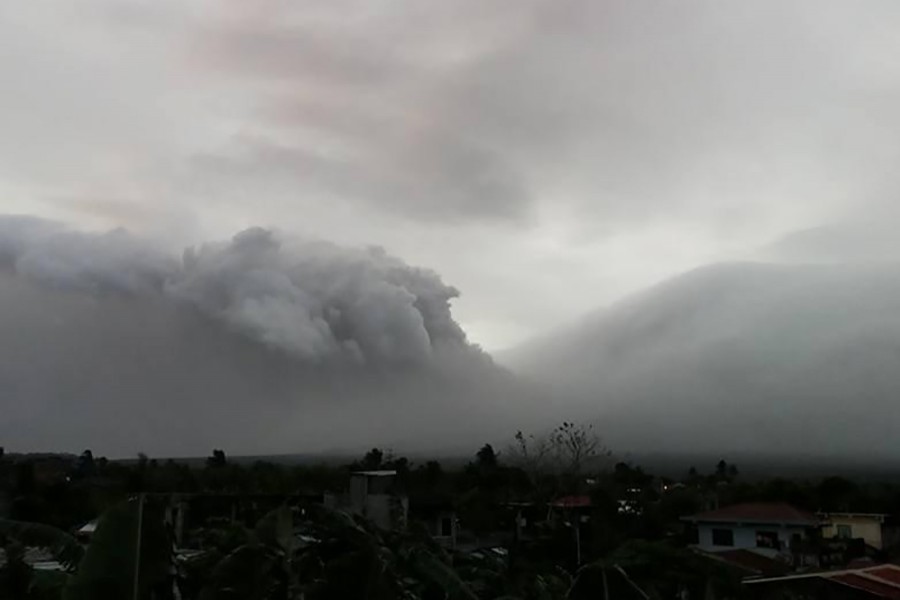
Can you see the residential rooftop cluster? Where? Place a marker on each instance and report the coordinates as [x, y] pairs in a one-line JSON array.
[[606, 525]]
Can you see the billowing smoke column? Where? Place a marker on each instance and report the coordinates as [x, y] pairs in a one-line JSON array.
[[314, 300], [259, 344]]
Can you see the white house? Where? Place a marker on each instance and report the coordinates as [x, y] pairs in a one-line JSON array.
[[373, 495], [767, 529]]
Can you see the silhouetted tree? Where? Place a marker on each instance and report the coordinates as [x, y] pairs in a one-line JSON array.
[[576, 449], [836, 493], [373, 460], [531, 454], [569, 450], [217, 460], [732, 472], [85, 466], [721, 470], [433, 470], [25, 483], [486, 457]]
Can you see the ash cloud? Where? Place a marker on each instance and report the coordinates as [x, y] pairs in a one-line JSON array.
[[782, 359], [262, 343], [312, 299], [544, 136]]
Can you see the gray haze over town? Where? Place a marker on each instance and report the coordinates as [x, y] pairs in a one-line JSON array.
[[304, 227]]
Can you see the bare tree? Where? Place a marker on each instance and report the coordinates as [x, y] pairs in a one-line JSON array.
[[569, 449], [532, 454], [576, 447]]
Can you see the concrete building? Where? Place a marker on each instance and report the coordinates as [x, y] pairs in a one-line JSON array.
[[374, 495], [443, 527], [870, 527], [767, 529]]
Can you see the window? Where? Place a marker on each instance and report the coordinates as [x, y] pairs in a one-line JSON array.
[[446, 527], [844, 532], [767, 539], [722, 537]]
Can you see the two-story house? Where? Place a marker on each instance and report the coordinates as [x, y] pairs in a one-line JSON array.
[[769, 529]]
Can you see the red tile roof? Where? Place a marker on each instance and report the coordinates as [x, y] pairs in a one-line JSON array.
[[757, 512], [572, 502]]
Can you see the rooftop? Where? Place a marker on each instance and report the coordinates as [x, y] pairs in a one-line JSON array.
[[88, 528], [750, 561], [853, 515], [756, 512], [375, 473], [881, 581], [572, 502]]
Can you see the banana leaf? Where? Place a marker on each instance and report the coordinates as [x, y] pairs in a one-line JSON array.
[[64, 548], [112, 563]]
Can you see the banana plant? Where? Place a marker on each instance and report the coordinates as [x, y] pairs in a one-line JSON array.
[[64, 548], [261, 568], [130, 556]]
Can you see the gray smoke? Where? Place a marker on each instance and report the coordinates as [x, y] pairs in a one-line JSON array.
[[311, 299], [263, 343], [783, 359]]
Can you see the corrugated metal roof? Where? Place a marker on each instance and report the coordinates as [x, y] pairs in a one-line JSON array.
[[751, 561], [870, 586], [887, 572]]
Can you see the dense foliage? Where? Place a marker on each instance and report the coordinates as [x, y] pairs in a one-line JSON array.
[[259, 530]]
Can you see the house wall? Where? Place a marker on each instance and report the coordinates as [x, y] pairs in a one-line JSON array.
[[433, 524], [378, 510], [745, 536], [359, 489], [386, 510], [867, 528]]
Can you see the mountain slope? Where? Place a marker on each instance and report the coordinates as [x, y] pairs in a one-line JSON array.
[[738, 357]]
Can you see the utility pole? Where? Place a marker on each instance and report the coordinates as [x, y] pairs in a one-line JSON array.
[[577, 523], [137, 549]]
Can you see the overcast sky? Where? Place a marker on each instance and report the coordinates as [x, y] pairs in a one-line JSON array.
[[545, 157]]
